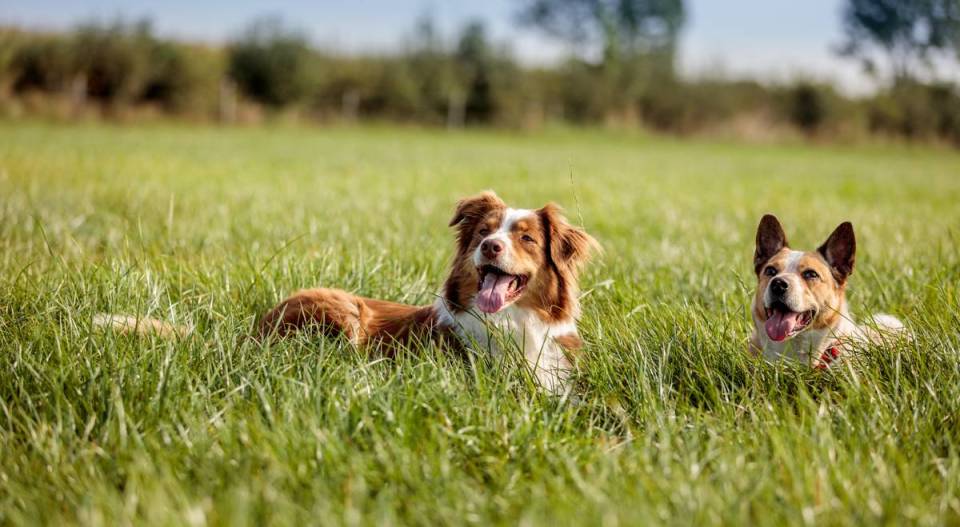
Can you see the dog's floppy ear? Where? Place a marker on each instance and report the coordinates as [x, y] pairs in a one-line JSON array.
[[475, 207], [566, 245], [470, 211], [770, 240], [840, 251]]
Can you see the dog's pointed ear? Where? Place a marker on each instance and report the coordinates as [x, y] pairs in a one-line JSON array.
[[840, 251], [471, 210], [566, 245], [770, 240]]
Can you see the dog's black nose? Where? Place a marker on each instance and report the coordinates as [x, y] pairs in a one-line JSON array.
[[779, 286], [491, 248]]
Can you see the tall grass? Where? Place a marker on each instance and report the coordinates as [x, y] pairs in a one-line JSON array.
[[672, 423]]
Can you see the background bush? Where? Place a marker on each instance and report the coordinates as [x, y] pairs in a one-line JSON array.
[[458, 80], [273, 64]]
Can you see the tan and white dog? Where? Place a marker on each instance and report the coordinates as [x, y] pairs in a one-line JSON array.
[[800, 308], [515, 273]]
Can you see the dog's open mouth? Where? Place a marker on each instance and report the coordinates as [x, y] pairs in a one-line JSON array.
[[497, 288], [783, 323]]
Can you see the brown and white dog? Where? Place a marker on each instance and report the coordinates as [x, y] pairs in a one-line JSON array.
[[800, 308], [514, 274]]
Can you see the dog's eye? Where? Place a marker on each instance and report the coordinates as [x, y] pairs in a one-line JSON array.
[[810, 274], [770, 271], [527, 238], [484, 231]]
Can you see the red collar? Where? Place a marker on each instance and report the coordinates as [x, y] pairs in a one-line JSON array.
[[827, 358]]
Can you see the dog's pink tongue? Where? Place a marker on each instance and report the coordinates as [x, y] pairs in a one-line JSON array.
[[493, 292], [780, 324]]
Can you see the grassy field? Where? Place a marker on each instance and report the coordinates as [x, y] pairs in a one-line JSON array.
[[210, 227]]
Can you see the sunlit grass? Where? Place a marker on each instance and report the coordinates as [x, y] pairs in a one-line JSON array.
[[673, 423]]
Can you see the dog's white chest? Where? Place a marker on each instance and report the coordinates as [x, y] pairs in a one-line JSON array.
[[800, 349], [810, 344], [523, 330]]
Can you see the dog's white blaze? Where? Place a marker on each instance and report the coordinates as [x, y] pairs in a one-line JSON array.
[[510, 217], [794, 296], [793, 261]]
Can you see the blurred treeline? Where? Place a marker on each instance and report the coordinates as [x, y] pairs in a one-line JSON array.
[[125, 71]]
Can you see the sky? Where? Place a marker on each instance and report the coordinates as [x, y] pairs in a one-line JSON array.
[[772, 40]]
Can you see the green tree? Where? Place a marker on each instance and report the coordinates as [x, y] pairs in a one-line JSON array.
[[44, 63], [637, 40], [184, 78], [10, 42], [621, 28], [433, 74], [272, 63], [905, 34], [114, 59], [475, 59]]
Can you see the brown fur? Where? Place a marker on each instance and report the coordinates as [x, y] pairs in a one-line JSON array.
[[572, 345], [461, 284], [361, 320], [815, 281], [824, 292], [771, 240], [552, 259], [570, 342], [833, 262], [568, 249], [839, 252], [484, 207]]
